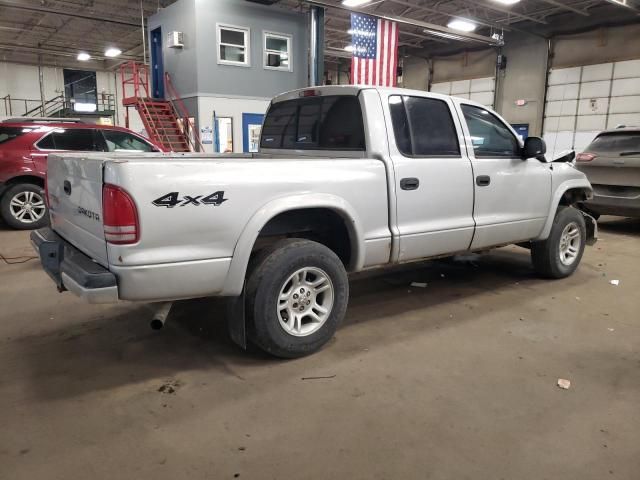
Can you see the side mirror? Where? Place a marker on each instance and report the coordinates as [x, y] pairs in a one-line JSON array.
[[534, 147]]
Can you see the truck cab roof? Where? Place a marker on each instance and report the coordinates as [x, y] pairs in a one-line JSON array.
[[356, 89]]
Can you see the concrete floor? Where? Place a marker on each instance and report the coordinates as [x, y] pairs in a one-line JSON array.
[[453, 381]]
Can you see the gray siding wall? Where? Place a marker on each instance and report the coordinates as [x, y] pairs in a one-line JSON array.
[[194, 68], [181, 63]]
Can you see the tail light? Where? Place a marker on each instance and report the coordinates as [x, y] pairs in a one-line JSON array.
[[119, 216], [585, 157]]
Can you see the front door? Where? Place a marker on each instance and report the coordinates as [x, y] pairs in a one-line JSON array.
[[434, 179], [157, 65], [512, 194], [251, 128]]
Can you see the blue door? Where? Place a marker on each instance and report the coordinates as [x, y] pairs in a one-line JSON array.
[[522, 129], [157, 67], [251, 127]]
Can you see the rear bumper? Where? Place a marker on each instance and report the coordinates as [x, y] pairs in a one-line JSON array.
[[607, 200], [72, 270]]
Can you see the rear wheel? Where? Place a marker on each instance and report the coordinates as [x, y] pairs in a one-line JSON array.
[[22, 206], [559, 255], [297, 294]]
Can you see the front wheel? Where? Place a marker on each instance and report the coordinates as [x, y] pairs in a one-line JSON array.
[[559, 255], [297, 295], [22, 206]]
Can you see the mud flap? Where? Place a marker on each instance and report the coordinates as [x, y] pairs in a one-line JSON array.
[[592, 228], [236, 321]]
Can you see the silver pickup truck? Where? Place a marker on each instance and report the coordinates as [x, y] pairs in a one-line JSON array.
[[348, 178]]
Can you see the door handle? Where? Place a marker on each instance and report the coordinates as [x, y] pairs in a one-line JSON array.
[[67, 187], [483, 180], [410, 183]]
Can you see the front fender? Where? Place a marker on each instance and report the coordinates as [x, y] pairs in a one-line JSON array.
[[581, 183], [237, 270]]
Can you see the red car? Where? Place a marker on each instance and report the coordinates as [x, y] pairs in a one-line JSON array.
[[24, 148]]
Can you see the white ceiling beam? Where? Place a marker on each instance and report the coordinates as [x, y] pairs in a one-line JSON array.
[[426, 26], [567, 7]]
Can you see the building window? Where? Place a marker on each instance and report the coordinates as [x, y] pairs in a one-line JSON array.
[[277, 52], [233, 45]]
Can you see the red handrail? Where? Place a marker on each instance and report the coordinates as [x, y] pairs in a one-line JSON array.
[[183, 113], [136, 74]]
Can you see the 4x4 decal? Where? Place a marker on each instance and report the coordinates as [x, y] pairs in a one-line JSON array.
[[173, 199]]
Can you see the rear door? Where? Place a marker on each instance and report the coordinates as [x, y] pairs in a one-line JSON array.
[[75, 201], [434, 179], [512, 194]]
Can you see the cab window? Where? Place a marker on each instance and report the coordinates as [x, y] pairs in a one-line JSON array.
[[332, 122], [489, 136]]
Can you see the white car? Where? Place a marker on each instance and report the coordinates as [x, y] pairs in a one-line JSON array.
[[348, 178]]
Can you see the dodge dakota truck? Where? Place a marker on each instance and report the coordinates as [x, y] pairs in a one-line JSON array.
[[348, 178]]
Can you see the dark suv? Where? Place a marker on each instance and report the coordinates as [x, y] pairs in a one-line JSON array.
[[612, 164], [24, 148]]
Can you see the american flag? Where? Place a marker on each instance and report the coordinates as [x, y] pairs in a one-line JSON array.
[[375, 51]]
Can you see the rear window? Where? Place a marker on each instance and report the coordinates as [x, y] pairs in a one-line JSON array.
[[315, 123], [70, 139], [622, 142], [9, 133]]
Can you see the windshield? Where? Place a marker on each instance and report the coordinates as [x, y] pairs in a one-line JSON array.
[[315, 123]]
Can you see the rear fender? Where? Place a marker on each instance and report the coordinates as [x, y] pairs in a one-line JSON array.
[[242, 251]]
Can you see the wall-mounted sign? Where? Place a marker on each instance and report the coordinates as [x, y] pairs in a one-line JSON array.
[[206, 135]]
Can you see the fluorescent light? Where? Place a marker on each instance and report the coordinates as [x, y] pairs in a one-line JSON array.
[[349, 48], [462, 25], [112, 52], [507, 2], [84, 56], [85, 107], [355, 3]]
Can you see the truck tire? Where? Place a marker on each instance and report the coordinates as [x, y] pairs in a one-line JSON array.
[[22, 206], [297, 293], [559, 255]]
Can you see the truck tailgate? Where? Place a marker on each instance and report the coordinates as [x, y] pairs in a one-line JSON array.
[[75, 197]]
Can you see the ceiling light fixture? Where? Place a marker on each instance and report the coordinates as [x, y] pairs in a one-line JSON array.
[[83, 57], [462, 25], [355, 3], [349, 48], [112, 52], [507, 2]]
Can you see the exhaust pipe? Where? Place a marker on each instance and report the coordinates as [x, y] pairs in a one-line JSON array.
[[160, 315]]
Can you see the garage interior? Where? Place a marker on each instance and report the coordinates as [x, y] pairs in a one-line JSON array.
[[441, 369]]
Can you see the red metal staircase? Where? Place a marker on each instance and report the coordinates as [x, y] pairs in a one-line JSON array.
[[167, 122]]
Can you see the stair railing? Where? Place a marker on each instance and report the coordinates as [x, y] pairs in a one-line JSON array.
[[181, 112]]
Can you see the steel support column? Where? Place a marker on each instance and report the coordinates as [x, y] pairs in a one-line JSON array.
[[316, 46]]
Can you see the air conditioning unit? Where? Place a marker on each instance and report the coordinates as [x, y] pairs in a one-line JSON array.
[[175, 40]]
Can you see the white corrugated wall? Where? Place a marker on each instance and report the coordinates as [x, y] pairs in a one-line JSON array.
[[479, 90], [583, 101]]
